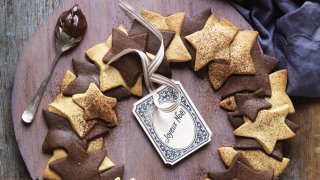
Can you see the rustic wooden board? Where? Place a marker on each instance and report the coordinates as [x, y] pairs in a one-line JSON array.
[[127, 143]]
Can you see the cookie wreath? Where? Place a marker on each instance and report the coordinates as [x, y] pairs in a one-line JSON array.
[[256, 100]]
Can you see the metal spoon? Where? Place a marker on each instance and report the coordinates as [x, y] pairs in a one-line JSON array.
[[64, 42]]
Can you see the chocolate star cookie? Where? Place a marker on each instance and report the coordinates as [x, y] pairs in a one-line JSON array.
[[60, 133], [79, 164], [250, 104], [86, 73], [129, 65], [113, 173]]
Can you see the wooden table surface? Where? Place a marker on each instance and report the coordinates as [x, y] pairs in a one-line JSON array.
[[19, 19]]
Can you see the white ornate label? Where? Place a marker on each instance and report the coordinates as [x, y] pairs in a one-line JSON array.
[[175, 134]]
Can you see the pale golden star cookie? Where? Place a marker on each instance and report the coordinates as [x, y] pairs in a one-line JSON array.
[[257, 159], [229, 103], [96, 105], [240, 59], [110, 77], [66, 107], [279, 97], [268, 128], [176, 51], [213, 41]]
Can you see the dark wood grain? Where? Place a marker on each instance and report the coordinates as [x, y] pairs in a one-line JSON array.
[[18, 20], [127, 143]]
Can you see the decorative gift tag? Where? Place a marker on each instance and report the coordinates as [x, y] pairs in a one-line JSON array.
[[174, 134]]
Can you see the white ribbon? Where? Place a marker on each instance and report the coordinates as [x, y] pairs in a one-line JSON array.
[[149, 68]]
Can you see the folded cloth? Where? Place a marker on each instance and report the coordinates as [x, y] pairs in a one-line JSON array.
[[290, 31]]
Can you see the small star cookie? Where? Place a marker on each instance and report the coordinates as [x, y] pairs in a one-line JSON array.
[[176, 52], [97, 105], [240, 59]]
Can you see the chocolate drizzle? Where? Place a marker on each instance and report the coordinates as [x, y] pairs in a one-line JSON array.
[[73, 22]]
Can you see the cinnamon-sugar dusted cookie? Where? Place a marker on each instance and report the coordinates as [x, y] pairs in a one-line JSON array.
[[240, 59], [192, 25], [66, 107], [279, 97], [268, 128], [110, 77], [96, 105], [176, 51], [213, 41], [257, 159]]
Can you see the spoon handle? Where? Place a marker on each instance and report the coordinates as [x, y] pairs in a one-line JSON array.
[[29, 114]]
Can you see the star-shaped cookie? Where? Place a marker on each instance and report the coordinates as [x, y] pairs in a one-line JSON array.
[[240, 59], [213, 41], [79, 164], [250, 104], [258, 160], [268, 128], [97, 105], [264, 65], [176, 52], [110, 77], [128, 65], [86, 73], [64, 106], [61, 135], [279, 97], [190, 26]]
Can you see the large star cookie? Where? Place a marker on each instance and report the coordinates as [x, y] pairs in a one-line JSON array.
[[61, 135], [97, 105], [240, 59], [268, 128], [240, 169], [79, 164], [257, 159], [176, 52], [110, 77], [264, 65], [279, 97], [128, 65], [192, 25], [86, 73], [66, 107], [213, 41]]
